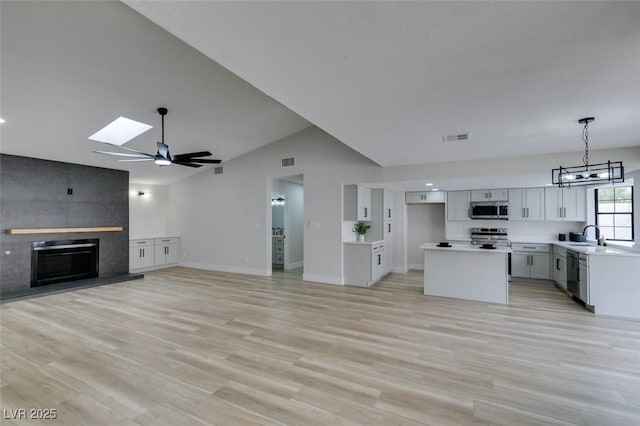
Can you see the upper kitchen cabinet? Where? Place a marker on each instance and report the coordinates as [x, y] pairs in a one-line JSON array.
[[357, 203], [566, 204], [526, 204], [458, 205], [424, 197], [381, 212], [387, 204], [490, 195]]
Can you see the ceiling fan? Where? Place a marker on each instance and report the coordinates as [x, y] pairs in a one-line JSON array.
[[162, 156]]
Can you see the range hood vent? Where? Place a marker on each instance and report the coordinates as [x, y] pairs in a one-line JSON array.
[[217, 170], [457, 137]]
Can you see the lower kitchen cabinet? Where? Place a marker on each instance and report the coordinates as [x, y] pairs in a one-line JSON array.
[[560, 266], [140, 254], [152, 253], [165, 251], [364, 263], [530, 261]]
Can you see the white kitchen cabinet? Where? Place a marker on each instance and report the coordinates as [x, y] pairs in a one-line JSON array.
[[526, 204], [387, 204], [568, 204], [357, 203], [165, 250], [364, 263], [530, 261], [140, 254], [490, 195], [560, 266], [457, 205], [424, 197]]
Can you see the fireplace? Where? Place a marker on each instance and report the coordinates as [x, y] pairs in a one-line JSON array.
[[61, 261]]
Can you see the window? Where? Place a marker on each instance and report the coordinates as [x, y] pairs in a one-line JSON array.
[[614, 212]]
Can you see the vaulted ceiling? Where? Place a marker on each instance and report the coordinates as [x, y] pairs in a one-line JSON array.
[[389, 79]]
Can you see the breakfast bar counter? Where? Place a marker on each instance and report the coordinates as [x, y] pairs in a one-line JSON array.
[[465, 271]]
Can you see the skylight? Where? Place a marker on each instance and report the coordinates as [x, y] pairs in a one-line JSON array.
[[120, 131]]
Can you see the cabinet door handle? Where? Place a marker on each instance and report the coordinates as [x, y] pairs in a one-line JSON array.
[[365, 212], [527, 211], [389, 226], [142, 252], [524, 212], [564, 209], [558, 264], [560, 209], [389, 213], [379, 259]]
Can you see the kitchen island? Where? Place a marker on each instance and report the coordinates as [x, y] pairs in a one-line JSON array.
[[465, 271]]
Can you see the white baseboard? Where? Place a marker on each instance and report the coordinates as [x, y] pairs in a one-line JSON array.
[[152, 268], [419, 266], [294, 265], [225, 268], [325, 279], [400, 269]]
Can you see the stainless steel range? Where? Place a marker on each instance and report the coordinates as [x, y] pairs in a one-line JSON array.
[[495, 236]]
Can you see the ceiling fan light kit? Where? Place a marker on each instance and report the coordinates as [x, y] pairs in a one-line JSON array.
[[588, 174], [162, 157]]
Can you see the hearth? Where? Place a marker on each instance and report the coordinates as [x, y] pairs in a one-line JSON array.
[[61, 261]]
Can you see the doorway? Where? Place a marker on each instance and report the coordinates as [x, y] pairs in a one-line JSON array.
[[287, 224]]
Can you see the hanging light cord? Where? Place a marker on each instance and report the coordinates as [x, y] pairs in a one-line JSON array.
[[585, 138]]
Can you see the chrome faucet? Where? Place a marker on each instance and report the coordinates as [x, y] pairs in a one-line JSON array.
[[589, 226]]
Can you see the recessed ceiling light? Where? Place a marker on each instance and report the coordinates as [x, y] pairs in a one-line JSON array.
[[435, 189], [120, 131], [428, 184]]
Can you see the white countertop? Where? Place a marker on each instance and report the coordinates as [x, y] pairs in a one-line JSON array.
[[465, 247], [594, 249], [365, 243]]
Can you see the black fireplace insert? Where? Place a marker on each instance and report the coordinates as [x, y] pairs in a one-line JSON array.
[[61, 261]]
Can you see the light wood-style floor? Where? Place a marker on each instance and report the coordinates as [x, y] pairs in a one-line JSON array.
[[186, 347]]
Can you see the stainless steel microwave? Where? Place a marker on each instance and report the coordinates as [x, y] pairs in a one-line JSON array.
[[489, 210]]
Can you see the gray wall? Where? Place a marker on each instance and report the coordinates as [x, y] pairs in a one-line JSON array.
[[33, 194]]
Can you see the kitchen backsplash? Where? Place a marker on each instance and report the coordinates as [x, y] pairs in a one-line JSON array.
[[519, 231]]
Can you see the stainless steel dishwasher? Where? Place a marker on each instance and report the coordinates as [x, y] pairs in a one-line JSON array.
[[573, 273]]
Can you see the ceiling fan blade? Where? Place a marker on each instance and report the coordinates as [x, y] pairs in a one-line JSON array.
[[138, 159], [188, 164], [163, 149], [122, 154], [204, 160], [125, 148], [191, 155]]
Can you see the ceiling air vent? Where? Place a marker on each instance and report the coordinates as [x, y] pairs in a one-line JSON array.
[[217, 170], [457, 137], [289, 162]]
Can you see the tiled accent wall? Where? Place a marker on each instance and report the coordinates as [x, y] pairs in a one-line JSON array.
[[35, 194]]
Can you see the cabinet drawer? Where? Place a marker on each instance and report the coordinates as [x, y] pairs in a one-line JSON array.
[[167, 240], [279, 249], [279, 259], [140, 243], [540, 248]]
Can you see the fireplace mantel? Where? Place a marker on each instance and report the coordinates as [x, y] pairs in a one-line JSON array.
[[25, 231]]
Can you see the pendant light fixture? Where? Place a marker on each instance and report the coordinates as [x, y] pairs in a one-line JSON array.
[[588, 174]]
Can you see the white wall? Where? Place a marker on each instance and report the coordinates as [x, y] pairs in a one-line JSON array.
[[294, 230], [518, 231], [148, 213], [224, 221], [425, 223]]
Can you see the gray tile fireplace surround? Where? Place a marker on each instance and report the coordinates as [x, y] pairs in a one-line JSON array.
[[49, 194]]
